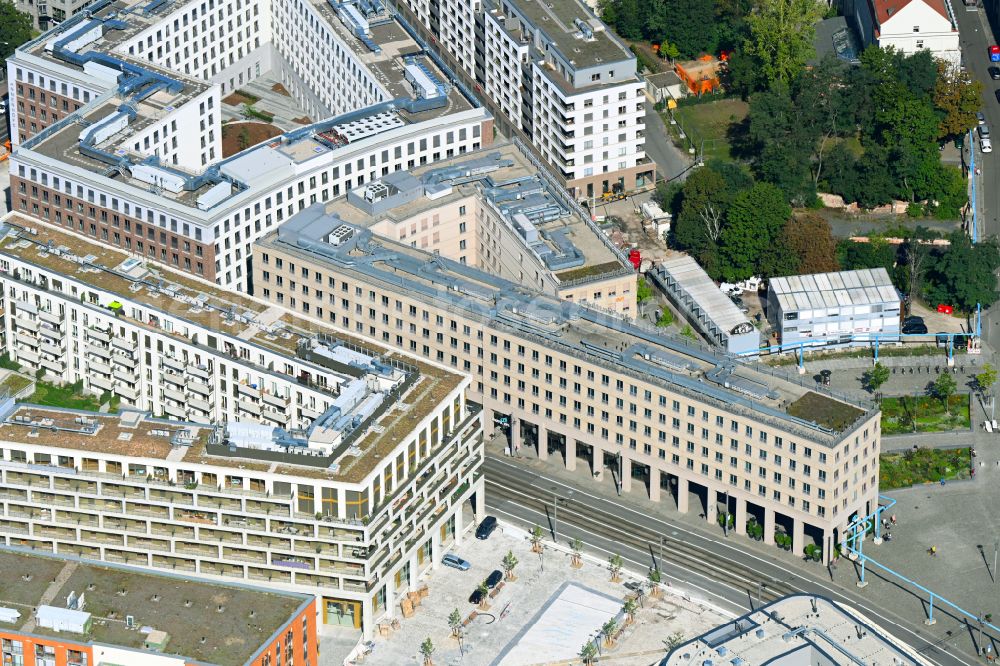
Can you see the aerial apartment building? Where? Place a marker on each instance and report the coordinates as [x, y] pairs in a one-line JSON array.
[[559, 75], [118, 122], [113, 614], [586, 384], [251, 443], [493, 210]]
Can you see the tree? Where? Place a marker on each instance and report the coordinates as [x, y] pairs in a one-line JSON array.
[[588, 652], [781, 36], [958, 97], [698, 226], [666, 318], [615, 564], [643, 291], [427, 650], [963, 274], [608, 629], [536, 539], [455, 622], [944, 386], [509, 562], [243, 138], [809, 239], [673, 641], [15, 29], [577, 547], [654, 578], [484, 594], [751, 240], [629, 608], [986, 379], [875, 377]]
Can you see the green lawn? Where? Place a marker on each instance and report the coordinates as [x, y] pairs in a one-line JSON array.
[[709, 122], [908, 468], [63, 396], [924, 414]]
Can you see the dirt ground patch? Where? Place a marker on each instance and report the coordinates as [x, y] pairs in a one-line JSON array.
[[240, 136], [281, 90], [304, 120], [240, 97]]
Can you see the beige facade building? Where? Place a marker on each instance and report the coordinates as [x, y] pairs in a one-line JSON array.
[[492, 209], [589, 388], [252, 444]]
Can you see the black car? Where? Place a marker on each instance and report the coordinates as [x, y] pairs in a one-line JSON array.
[[994, 73], [914, 326], [476, 596], [486, 527], [997, 93], [494, 578]]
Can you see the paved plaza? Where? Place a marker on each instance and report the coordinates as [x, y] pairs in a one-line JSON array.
[[544, 616]]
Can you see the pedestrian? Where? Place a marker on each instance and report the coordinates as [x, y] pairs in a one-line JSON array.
[[893, 519]]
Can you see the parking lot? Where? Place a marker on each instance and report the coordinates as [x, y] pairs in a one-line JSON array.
[[544, 616]]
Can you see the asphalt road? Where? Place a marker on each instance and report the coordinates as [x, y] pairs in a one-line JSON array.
[[975, 39], [671, 162], [717, 571]]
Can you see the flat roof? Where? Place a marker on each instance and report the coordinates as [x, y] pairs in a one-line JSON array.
[[187, 610], [503, 177], [234, 315], [797, 630], [642, 353], [696, 282], [867, 286], [558, 20]]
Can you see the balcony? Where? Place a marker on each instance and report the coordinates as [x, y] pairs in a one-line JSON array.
[[27, 356], [127, 392], [49, 346], [174, 394], [251, 408], [28, 339], [246, 389], [100, 367], [199, 405], [99, 335], [25, 323], [174, 364], [176, 411], [275, 400], [55, 365], [50, 317], [97, 350], [126, 375], [198, 386], [199, 371], [99, 382], [124, 346], [173, 379]]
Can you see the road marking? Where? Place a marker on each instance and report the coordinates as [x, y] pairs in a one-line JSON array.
[[831, 591]]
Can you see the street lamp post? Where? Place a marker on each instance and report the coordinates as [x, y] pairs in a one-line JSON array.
[[658, 565], [996, 547], [555, 512], [760, 586]]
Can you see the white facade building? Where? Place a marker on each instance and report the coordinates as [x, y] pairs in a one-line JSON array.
[[910, 26], [559, 75], [152, 180]]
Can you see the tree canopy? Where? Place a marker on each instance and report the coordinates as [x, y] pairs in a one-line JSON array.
[[781, 36], [809, 240], [15, 29]]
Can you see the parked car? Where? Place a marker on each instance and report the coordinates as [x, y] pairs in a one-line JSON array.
[[994, 73], [455, 562], [997, 93], [984, 131], [914, 326], [476, 596], [980, 118], [486, 527], [986, 145], [633, 585], [494, 578]]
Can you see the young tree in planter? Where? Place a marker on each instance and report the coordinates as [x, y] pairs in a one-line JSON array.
[[536, 539], [608, 630], [455, 622], [427, 650], [655, 577], [629, 608], [484, 595], [588, 652], [509, 562], [944, 388], [577, 546], [615, 564]]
